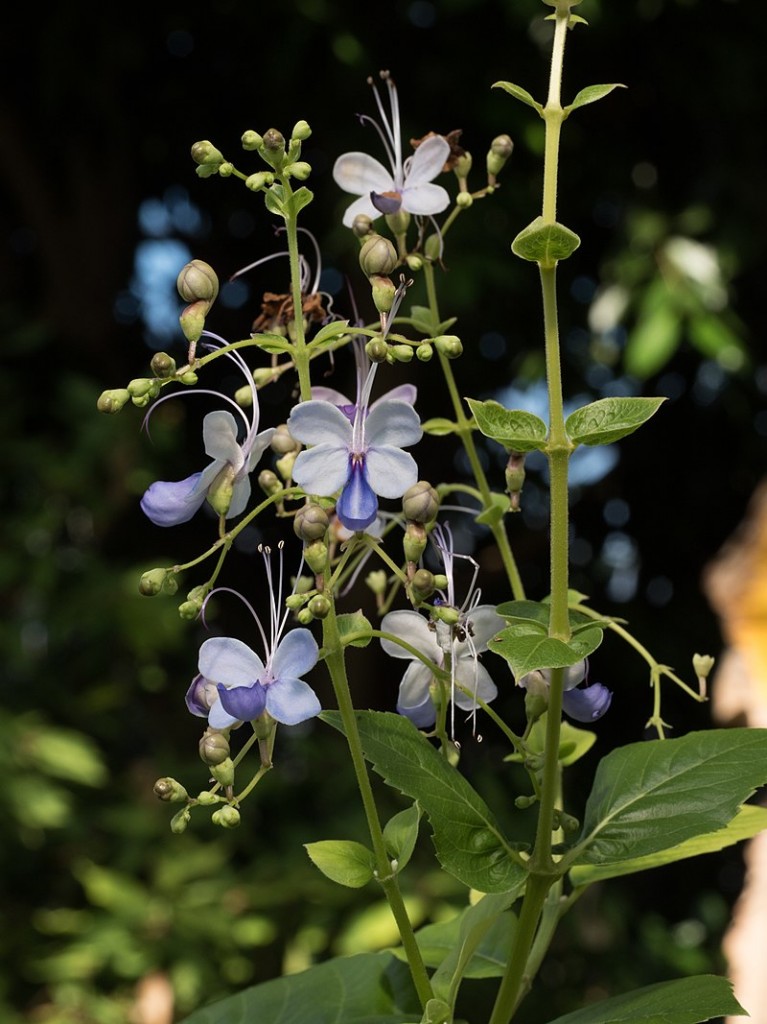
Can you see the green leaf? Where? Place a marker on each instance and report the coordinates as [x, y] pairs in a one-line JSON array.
[[526, 648], [370, 987], [272, 343], [354, 629], [274, 200], [343, 861], [423, 320], [654, 795], [655, 336], [400, 834], [516, 430], [544, 243], [609, 419], [335, 329], [747, 823], [481, 945], [574, 743], [519, 94], [715, 340], [591, 94], [301, 198], [496, 511], [468, 840], [439, 427], [686, 1001]]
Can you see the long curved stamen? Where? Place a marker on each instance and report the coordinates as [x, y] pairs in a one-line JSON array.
[[396, 131], [366, 119], [251, 266], [361, 412], [248, 605]]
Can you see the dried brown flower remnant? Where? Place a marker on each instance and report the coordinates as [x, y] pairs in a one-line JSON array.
[[277, 312], [456, 150]]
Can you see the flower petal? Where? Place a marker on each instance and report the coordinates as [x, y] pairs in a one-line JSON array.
[[168, 503], [357, 506], [574, 674], [428, 161], [240, 497], [402, 393], [291, 701], [390, 471], [588, 703], [475, 678], [296, 654], [392, 422], [485, 624], [322, 470], [317, 422], [323, 394], [414, 630], [258, 446], [223, 659], [244, 703], [361, 174], [201, 696], [414, 699], [360, 207], [219, 432], [219, 717], [425, 200]]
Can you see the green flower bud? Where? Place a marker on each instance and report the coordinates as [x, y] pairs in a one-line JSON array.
[[259, 180], [206, 154], [402, 353], [142, 402], [269, 482], [282, 441], [226, 170], [170, 584], [179, 822], [523, 802], [251, 140], [316, 556], [377, 256], [414, 262], [170, 791], [319, 606], [536, 704], [515, 479], [424, 352], [414, 542], [263, 375], [376, 350], [440, 581], [139, 387], [569, 825], [197, 280], [362, 225], [464, 200], [244, 396], [433, 247], [214, 747], [112, 401], [446, 613], [462, 166], [377, 581], [163, 365], [151, 582], [422, 584], [500, 150], [448, 345], [221, 490], [420, 503], [702, 665], [189, 610], [226, 817], [398, 222], [301, 131], [284, 465], [305, 617], [383, 292], [192, 319], [303, 585], [189, 378], [206, 798], [311, 523], [300, 170], [223, 772], [295, 602]]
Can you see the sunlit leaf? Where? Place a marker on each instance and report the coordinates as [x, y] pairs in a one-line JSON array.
[[342, 861], [609, 419], [515, 429]]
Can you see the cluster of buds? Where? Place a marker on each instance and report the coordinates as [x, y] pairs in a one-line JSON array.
[[198, 286], [286, 448], [280, 155]]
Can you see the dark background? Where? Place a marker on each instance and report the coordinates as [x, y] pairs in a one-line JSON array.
[[98, 112]]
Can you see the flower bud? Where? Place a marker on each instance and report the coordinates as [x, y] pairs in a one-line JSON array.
[[151, 582], [316, 556], [269, 482], [300, 170], [112, 401], [223, 772], [226, 170], [305, 617], [283, 441], [214, 747], [414, 262], [420, 503], [140, 387], [702, 665], [446, 613], [515, 479], [402, 353], [383, 292], [376, 581], [170, 584], [197, 280], [414, 542], [362, 225], [376, 350], [189, 378], [206, 798], [500, 150], [179, 822], [259, 180], [226, 817], [319, 606], [422, 584], [377, 256], [192, 319], [142, 402], [424, 352], [448, 345], [523, 802], [274, 148], [462, 166], [398, 222], [221, 491], [206, 154], [433, 247], [251, 140], [440, 581], [163, 365], [464, 200], [284, 465], [311, 523], [294, 602], [244, 396], [170, 791], [263, 375], [301, 131], [189, 610]]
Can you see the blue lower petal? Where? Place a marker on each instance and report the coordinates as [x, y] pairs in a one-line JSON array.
[[358, 505], [243, 702], [588, 703]]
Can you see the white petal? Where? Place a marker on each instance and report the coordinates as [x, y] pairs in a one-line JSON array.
[[258, 446], [393, 422], [296, 654], [485, 624], [390, 471], [427, 161], [219, 432], [476, 679], [402, 393], [359, 208], [291, 701], [231, 662], [414, 630], [414, 688], [240, 497], [361, 174], [219, 718], [330, 395], [316, 422], [322, 470], [424, 200]]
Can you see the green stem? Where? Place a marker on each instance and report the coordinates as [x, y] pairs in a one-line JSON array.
[[513, 981], [387, 879], [300, 352]]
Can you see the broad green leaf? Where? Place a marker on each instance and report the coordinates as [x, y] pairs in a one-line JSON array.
[[496, 511], [335, 329], [687, 1001], [591, 94], [371, 988], [538, 612], [423, 320], [301, 198], [525, 648], [439, 426], [544, 243], [343, 861], [519, 94], [272, 343], [63, 753], [654, 795], [400, 834], [467, 838], [274, 200], [655, 337], [516, 430], [354, 629], [609, 419], [748, 822]]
